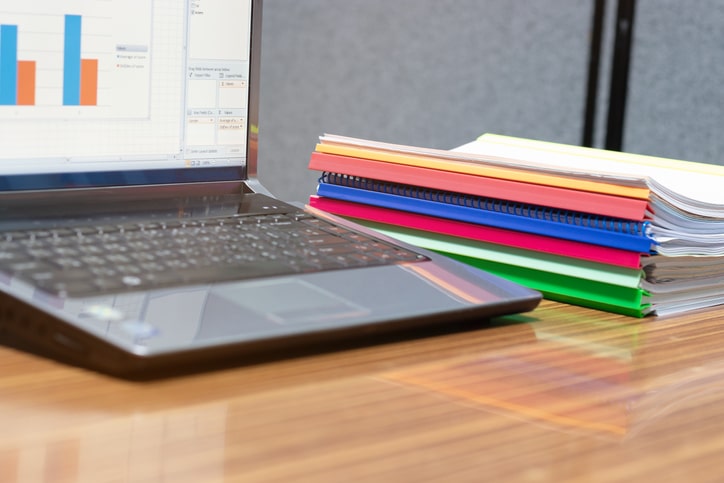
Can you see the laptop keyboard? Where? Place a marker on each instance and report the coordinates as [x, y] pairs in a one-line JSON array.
[[95, 260]]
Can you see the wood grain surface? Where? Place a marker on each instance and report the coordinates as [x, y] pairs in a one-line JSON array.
[[562, 394]]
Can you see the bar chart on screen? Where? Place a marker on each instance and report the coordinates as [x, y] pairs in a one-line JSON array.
[[75, 59]]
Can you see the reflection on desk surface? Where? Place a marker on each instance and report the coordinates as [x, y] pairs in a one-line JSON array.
[[555, 395], [609, 377]]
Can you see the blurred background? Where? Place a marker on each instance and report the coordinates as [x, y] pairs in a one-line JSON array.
[[438, 73]]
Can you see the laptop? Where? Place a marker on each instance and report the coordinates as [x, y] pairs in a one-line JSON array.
[[135, 236]]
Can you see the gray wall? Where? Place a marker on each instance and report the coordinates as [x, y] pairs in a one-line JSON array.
[[676, 92], [438, 73]]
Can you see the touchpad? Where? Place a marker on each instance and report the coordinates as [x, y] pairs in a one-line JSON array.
[[290, 301]]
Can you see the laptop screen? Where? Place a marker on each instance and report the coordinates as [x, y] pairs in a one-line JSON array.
[[105, 92]]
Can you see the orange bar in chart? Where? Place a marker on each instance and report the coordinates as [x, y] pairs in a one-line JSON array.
[[89, 82], [26, 83]]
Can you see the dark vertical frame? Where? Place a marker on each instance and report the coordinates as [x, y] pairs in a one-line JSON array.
[[620, 74], [594, 61]]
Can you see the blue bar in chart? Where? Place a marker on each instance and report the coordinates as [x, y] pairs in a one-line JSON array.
[[8, 64], [71, 61]]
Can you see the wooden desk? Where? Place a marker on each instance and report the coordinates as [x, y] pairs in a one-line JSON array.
[[561, 394]]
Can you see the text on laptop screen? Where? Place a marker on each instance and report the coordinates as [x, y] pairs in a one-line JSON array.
[[118, 85]]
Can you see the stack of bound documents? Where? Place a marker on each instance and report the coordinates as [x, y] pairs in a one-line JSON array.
[[620, 232]]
